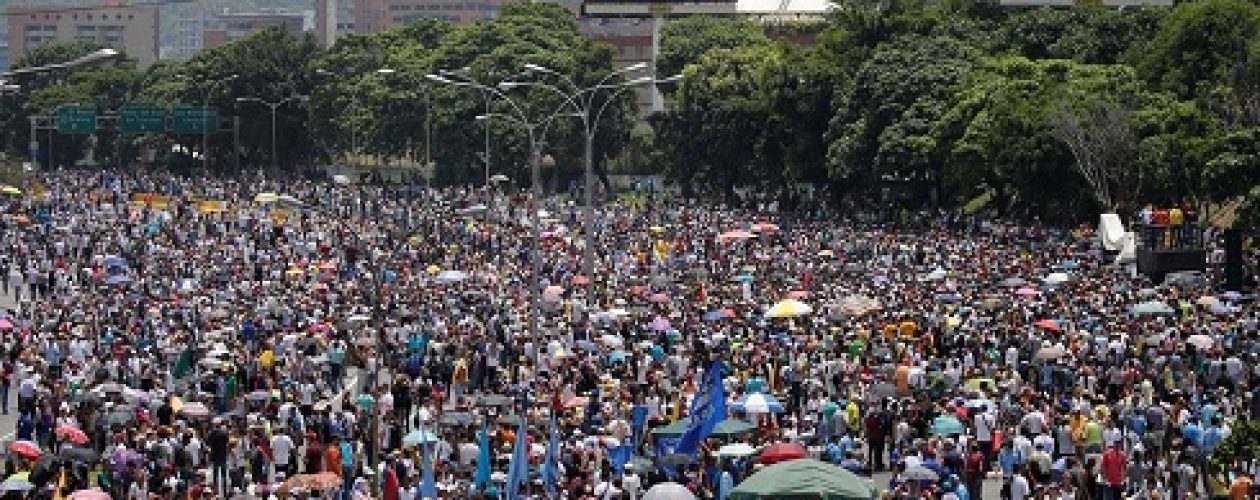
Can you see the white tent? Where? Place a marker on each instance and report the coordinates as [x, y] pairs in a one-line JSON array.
[[1115, 239]]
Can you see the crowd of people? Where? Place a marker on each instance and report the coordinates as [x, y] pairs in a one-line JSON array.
[[176, 338]]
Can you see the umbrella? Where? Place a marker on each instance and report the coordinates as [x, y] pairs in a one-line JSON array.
[[640, 464], [743, 278], [1014, 282], [919, 473], [736, 450], [781, 452], [110, 387], [1152, 308], [118, 279], [804, 478], [16, 485], [757, 403], [1201, 342], [764, 227], [1208, 301], [669, 491], [5, 324], [92, 494], [498, 178], [659, 324], [26, 449], [456, 418], [674, 459], [718, 314], [1049, 325], [509, 420], [789, 308], [947, 426], [580, 280], [115, 261], [658, 298], [418, 437], [1069, 265], [289, 200], [494, 400], [1026, 292], [72, 434], [78, 454], [1232, 296], [980, 383], [10, 190], [737, 234], [724, 429], [195, 409], [1056, 278], [1051, 352], [883, 390], [451, 276], [266, 198]]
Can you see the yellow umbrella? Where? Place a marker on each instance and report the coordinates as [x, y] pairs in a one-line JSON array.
[[293, 272], [266, 198], [176, 404], [433, 269], [11, 191], [789, 308], [656, 229]]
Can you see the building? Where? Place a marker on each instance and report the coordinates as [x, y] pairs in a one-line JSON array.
[[4, 56], [130, 28], [631, 40], [228, 27], [333, 18], [187, 38]]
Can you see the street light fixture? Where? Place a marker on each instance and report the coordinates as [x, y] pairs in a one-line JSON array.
[[275, 162], [583, 101]]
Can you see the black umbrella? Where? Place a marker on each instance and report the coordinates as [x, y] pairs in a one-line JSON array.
[[78, 454]]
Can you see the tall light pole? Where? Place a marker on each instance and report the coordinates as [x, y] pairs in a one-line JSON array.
[[205, 124], [274, 105], [583, 100], [532, 133]]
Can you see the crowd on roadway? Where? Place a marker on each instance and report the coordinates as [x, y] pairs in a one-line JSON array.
[[220, 338]]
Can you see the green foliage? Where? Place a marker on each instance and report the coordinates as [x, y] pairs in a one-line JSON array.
[[684, 41], [1238, 450], [1200, 45]]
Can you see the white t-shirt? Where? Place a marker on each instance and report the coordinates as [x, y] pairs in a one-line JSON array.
[[1019, 488], [984, 426], [281, 446]]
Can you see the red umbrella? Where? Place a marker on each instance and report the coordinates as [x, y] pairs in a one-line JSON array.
[[581, 280], [781, 452], [1048, 325], [26, 449], [72, 434]]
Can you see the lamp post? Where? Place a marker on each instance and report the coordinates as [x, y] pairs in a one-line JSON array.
[[205, 124], [533, 131], [583, 100], [275, 162]]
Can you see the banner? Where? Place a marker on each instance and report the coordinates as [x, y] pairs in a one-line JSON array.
[[708, 408]]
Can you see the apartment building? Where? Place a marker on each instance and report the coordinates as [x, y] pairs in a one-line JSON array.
[[129, 28], [231, 26]]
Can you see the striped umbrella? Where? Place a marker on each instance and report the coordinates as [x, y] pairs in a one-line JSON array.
[[757, 403]]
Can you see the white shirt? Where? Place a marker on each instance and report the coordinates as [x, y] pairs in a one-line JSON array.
[[1019, 488], [281, 446]]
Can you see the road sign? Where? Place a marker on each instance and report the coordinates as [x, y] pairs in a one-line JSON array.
[[142, 119], [76, 119], [194, 120]]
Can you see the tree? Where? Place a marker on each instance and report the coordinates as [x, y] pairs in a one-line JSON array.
[[1200, 45], [686, 40]]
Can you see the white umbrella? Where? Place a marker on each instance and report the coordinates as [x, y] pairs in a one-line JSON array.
[[669, 491], [1056, 278], [1202, 342], [736, 450]]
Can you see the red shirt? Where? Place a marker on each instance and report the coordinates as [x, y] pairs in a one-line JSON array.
[[1113, 463]]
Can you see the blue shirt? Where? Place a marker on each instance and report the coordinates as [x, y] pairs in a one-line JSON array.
[[1193, 434], [1212, 438], [347, 454], [1007, 459]]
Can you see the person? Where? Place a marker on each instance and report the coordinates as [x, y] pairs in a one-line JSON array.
[[1240, 488], [218, 443], [1114, 464], [1019, 488], [348, 474], [975, 469]]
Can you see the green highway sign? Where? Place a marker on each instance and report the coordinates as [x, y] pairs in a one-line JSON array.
[[76, 119], [194, 120], [141, 119]]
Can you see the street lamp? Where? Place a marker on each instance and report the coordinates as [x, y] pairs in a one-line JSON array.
[[205, 124], [583, 101], [92, 58], [275, 162], [532, 133]]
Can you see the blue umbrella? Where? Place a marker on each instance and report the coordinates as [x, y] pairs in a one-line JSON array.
[[115, 261], [1069, 264], [117, 279], [417, 437], [743, 278], [617, 357], [716, 315], [947, 425], [755, 384]]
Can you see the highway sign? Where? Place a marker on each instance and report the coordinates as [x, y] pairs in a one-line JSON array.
[[142, 119], [194, 120], [76, 119]]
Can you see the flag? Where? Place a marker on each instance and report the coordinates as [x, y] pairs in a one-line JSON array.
[[428, 485], [518, 471], [638, 417], [183, 365], [708, 407], [620, 456], [550, 472], [482, 477]]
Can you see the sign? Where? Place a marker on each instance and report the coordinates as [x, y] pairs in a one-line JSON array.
[[76, 119], [141, 119], [194, 120]]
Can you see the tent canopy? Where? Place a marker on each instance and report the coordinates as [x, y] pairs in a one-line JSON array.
[[804, 478]]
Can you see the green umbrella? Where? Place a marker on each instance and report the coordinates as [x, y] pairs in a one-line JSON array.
[[804, 478], [946, 425]]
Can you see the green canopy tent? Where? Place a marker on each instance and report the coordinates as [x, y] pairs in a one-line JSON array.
[[724, 429], [804, 478]]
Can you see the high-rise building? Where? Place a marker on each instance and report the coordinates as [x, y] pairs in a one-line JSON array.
[[129, 28], [4, 56], [338, 17], [333, 18], [231, 26]]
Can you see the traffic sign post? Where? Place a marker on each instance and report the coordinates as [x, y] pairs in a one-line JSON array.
[[141, 119], [76, 119], [194, 120]]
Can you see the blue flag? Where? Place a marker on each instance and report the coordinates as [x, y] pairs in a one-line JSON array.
[[620, 456], [550, 471], [708, 408], [518, 471], [482, 477], [428, 484], [638, 415]]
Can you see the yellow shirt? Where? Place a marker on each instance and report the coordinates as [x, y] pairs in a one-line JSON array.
[[267, 358]]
